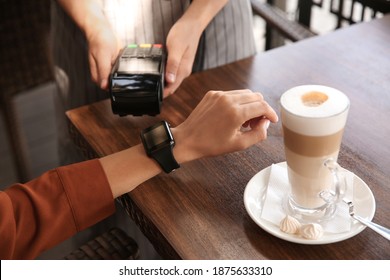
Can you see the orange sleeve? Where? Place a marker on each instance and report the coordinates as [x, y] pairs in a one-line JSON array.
[[51, 208]]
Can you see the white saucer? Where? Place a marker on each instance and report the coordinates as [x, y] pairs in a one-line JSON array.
[[255, 193]]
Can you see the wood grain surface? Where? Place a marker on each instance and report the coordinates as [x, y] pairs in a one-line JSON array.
[[198, 212]]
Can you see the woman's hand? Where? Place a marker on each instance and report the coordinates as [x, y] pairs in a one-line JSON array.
[[214, 127]]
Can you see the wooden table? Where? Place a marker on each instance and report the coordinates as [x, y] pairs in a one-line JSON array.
[[198, 211]]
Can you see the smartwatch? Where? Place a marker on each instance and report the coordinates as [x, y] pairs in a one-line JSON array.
[[158, 144]]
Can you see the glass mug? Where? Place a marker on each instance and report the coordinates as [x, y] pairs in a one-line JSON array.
[[313, 119]]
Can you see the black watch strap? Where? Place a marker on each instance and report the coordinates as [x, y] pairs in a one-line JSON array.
[[165, 159]]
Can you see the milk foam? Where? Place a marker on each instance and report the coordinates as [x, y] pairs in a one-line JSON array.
[[313, 120]]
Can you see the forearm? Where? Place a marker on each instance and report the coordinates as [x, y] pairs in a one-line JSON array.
[[131, 167], [39, 214], [128, 169], [87, 14], [201, 12], [204, 133]]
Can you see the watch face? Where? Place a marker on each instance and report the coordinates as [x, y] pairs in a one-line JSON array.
[[157, 136]]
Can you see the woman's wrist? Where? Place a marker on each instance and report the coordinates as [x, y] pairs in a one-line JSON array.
[[183, 151]]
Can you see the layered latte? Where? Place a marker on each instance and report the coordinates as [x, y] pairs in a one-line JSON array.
[[313, 119]]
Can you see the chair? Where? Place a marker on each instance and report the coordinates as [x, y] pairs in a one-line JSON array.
[[276, 19], [114, 244], [358, 11], [347, 12], [24, 64]]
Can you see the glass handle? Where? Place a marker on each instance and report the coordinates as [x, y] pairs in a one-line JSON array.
[[335, 196]]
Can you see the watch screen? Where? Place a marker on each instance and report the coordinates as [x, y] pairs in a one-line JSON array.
[[156, 136]]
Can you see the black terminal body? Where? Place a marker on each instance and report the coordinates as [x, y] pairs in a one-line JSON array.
[[137, 80]]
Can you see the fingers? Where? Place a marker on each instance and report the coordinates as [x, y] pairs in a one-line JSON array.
[[103, 49], [100, 67], [178, 67], [213, 127], [175, 56], [247, 105], [169, 89], [172, 67], [93, 68], [254, 106], [181, 47], [173, 63], [99, 71], [258, 109], [183, 72], [239, 97], [244, 96], [104, 69], [257, 133]]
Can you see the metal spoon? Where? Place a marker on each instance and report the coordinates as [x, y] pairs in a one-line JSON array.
[[385, 232]]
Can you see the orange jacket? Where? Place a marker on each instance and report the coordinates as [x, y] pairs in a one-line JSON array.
[[51, 208]]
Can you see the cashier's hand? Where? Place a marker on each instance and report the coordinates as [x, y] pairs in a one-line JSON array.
[[103, 49], [214, 127], [182, 43]]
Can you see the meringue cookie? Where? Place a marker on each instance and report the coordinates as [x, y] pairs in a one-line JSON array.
[[290, 225], [311, 231]]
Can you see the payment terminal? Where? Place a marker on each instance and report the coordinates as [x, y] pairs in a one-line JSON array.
[[137, 80]]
